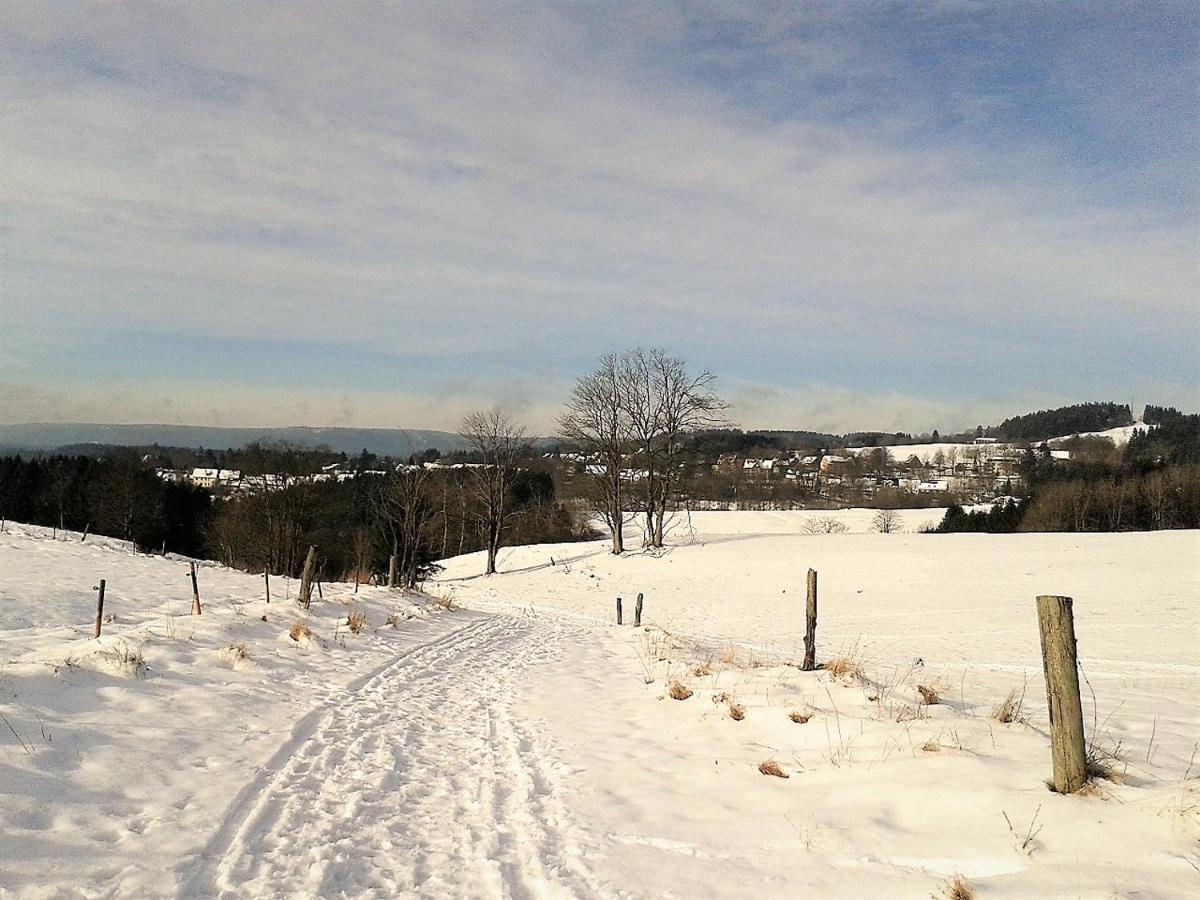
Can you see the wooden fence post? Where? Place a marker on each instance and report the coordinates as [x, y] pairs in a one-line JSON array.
[[619, 620], [320, 593], [267, 584], [392, 572], [810, 625], [99, 609], [637, 613], [1056, 621], [195, 590], [306, 578]]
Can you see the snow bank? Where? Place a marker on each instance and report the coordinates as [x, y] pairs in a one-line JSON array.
[[121, 755]]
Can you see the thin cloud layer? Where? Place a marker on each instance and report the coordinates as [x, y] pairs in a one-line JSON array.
[[366, 214]]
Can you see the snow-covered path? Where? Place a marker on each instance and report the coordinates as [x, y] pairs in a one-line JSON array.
[[423, 782]]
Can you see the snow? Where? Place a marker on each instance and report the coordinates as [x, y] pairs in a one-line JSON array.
[[902, 453], [524, 746], [1119, 435]]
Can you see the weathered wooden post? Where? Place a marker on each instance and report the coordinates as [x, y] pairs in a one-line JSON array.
[[86, 529], [195, 590], [1056, 621], [637, 612], [267, 584], [306, 578], [392, 572], [99, 609], [810, 626], [320, 593], [619, 619]]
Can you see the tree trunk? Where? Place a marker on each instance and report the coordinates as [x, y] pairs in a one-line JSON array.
[[392, 573]]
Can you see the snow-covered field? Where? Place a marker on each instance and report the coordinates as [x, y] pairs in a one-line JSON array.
[[524, 746]]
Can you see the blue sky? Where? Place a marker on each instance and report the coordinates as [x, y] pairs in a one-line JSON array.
[[858, 215]]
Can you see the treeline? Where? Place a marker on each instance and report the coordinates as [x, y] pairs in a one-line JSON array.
[[392, 526], [117, 496], [1066, 420], [1175, 439], [1153, 484]]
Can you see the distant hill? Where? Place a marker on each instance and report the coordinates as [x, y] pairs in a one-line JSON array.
[[382, 441]]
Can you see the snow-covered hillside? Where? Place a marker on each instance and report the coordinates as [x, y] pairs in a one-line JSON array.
[[1119, 435], [525, 746]]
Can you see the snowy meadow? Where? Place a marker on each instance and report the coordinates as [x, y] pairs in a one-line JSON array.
[[502, 736]]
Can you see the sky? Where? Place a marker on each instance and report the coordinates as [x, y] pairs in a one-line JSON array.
[[858, 215]]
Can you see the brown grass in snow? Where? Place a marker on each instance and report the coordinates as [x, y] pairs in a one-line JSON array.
[[677, 691], [356, 622], [737, 712], [929, 695], [770, 767], [798, 717], [1010, 709], [843, 667], [960, 889], [299, 632]]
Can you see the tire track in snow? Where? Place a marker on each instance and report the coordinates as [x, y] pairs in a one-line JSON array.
[[421, 783]]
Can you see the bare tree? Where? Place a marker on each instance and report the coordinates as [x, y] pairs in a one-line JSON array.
[[499, 442], [403, 504], [596, 420], [887, 521], [663, 402]]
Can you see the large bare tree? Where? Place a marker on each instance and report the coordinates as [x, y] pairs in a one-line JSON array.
[[595, 419], [686, 403], [499, 442], [663, 402], [403, 505]]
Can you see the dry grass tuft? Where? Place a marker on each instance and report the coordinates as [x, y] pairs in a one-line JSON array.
[[931, 746], [843, 667], [1010, 710], [929, 695], [702, 669], [960, 889], [677, 691], [356, 622], [737, 712], [729, 655], [445, 601], [770, 767], [235, 652], [300, 632], [394, 619], [798, 717]]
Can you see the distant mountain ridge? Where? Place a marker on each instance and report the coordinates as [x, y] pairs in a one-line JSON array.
[[397, 442]]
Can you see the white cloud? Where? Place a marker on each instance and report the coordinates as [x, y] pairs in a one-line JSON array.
[[519, 183]]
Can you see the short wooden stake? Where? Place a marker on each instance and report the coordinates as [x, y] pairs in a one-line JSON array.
[[195, 590], [1060, 663], [320, 593], [306, 578], [99, 609], [637, 613], [86, 528], [810, 624], [619, 619], [267, 584]]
